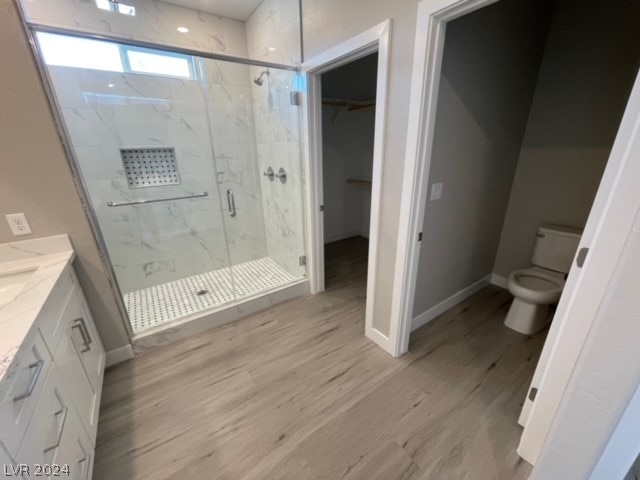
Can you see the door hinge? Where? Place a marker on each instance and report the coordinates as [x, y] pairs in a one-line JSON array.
[[532, 393], [582, 256], [295, 98], [322, 208], [303, 260], [420, 237]]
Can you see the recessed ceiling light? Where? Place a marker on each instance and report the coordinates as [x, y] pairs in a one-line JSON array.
[[183, 29], [272, 49], [111, 85]]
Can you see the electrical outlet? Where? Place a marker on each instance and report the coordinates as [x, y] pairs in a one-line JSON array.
[[18, 223], [436, 191]]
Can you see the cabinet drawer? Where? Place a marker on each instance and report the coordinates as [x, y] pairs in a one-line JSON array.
[[18, 402], [55, 434], [5, 459], [89, 346], [50, 318], [76, 450], [74, 343]]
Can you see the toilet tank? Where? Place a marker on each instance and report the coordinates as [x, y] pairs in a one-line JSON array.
[[555, 247]]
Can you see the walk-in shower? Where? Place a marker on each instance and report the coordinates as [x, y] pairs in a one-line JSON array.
[[171, 149]]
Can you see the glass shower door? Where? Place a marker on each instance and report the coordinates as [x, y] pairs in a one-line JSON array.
[[139, 128], [192, 169], [256, 143]]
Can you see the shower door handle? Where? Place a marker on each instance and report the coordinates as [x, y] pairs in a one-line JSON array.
[[232, 203]]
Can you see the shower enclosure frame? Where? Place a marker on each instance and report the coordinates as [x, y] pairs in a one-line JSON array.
[[81, 187]]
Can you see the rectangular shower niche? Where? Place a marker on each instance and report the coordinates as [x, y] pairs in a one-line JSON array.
[[150, 167]]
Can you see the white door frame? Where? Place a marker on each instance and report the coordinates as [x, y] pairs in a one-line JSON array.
[[367, 42], [433, 16], [609, 224]]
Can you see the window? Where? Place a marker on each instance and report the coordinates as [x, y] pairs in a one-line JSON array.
[[67, 51], [142, 60], [80, 52]]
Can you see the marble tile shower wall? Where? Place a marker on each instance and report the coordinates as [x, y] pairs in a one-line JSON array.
[[161, 242], [273, 32], [154, 22], [278, 142]]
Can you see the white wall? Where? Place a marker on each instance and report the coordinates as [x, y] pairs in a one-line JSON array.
[[604, 381], [36, 177], [347, 151], [589, 66], [489, 70]]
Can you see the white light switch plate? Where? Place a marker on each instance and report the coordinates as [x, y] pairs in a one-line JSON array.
[[18, 223], [436, 191]]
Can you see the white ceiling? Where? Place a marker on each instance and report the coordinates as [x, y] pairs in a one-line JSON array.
[[236, 9]]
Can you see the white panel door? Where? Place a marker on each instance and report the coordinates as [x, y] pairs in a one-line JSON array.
[[608, 226]]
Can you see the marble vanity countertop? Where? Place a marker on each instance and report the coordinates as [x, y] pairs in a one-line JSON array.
[[46, 258]]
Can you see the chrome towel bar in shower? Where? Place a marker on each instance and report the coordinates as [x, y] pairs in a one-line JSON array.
[[136, 202]]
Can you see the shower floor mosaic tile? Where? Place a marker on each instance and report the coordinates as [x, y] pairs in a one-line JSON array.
[[170, 301]]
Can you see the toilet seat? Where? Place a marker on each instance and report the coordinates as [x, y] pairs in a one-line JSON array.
[[536, 285]]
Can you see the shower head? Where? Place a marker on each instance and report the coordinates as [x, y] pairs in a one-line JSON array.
[[258, 80]]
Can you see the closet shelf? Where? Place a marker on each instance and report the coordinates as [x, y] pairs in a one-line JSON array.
[[350, 105], [364, 181]]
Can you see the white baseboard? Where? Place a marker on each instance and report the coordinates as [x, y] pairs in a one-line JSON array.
[[498, 280], [334, 237], [119, 355], [425, 317]]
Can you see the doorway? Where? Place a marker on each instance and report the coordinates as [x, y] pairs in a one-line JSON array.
[[375, 39], [576, 143], [348, 127]]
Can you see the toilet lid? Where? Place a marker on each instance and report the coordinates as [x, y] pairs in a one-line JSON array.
[[535, 283]]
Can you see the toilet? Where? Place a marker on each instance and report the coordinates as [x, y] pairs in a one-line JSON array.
[[536, 288]]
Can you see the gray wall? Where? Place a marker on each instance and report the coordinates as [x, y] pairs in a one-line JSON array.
[[489, 70], [36, 178], [590, 62]]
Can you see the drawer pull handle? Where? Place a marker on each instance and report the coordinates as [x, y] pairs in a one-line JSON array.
[[37, 366], [63, 411], [84, 333]]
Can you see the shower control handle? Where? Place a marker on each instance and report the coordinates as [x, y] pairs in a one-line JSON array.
[[231, 202], [282, 175], [269, 174]]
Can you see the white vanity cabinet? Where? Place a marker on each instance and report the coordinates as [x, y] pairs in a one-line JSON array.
[[49, 401]]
